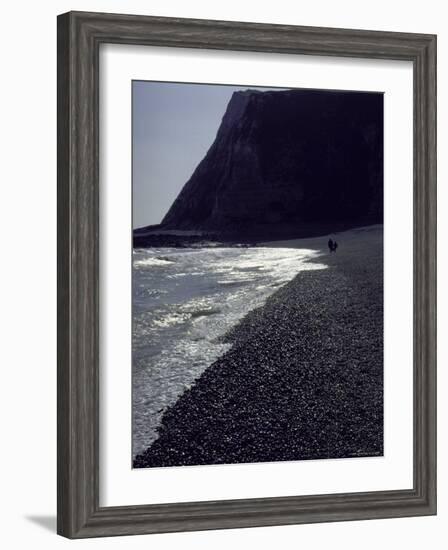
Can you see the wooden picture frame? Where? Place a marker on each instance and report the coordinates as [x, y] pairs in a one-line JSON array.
[[79, 38]]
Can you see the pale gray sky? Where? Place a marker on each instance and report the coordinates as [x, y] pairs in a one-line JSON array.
[[173, 127]]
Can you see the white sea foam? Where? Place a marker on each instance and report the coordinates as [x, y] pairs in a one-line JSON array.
[[153, 261], [170, 319]]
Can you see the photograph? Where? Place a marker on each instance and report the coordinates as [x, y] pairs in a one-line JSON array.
[[257, 274]]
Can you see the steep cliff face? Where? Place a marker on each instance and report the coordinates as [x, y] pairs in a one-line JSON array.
[[288, 159]]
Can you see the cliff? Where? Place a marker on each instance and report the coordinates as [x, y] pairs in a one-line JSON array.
[[288, 161]]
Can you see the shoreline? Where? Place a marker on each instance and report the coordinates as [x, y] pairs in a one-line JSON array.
[[195, 297], [304, 376], [157, 236]]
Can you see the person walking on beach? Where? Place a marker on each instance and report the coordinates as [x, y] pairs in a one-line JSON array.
[[332, 245]]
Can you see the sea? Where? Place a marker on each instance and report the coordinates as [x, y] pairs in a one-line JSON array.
[[184, 300]]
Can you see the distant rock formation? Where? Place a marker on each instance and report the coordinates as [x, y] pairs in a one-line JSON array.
[[288, 161]]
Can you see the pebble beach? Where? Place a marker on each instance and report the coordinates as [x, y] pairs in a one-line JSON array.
[[303, 378]]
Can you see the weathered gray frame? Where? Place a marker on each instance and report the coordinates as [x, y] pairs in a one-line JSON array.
[[79, 37]]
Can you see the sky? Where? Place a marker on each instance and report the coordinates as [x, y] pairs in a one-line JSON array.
[[174, 124]]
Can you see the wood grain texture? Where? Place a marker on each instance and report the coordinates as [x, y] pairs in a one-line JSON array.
[[79, 38]]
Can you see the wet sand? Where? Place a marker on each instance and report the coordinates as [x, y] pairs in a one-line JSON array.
[[304, 376]]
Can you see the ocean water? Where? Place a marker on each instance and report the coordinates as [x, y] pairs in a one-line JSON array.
[[183, 301]]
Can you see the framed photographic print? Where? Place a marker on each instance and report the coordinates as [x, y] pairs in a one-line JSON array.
[[246, 274]]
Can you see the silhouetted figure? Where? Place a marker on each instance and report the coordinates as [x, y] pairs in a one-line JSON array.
[[332, 245]]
